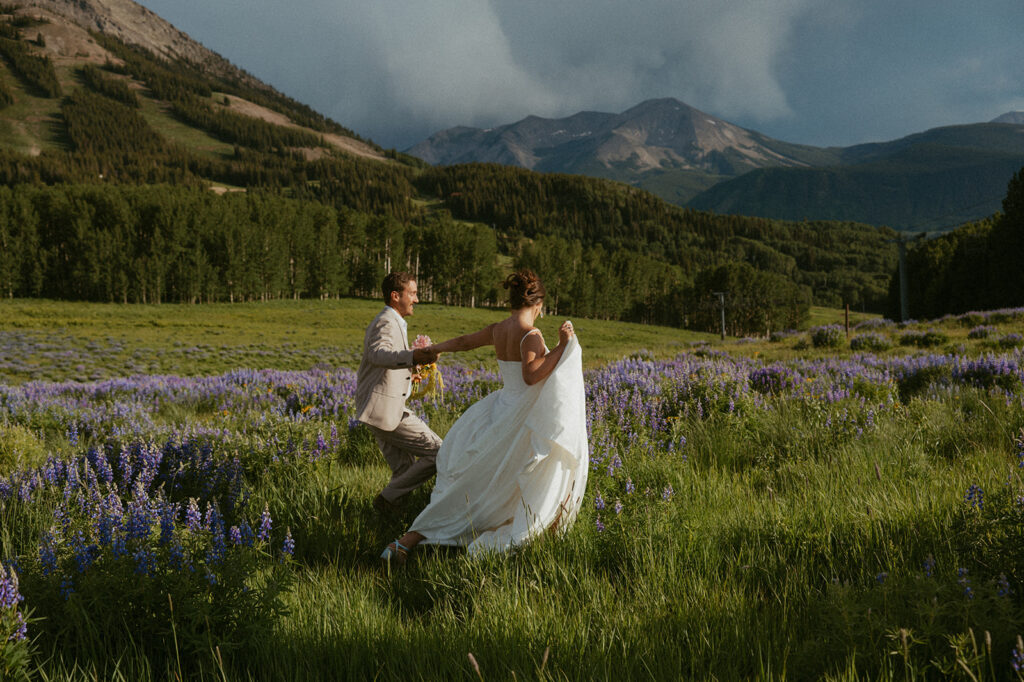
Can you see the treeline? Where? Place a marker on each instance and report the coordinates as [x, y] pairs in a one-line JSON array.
[[156, 244], [97, 125], [37, 72], [172, 81], [243, 130], [975, 267], [627, 285], [174, 244], [837, 262], [114, 88]]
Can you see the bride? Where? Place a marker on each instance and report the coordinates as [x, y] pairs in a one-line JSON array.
[[515, 463]]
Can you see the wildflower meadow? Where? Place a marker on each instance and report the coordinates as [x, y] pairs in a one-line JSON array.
[[808, 506]]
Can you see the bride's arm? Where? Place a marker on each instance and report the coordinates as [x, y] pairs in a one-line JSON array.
[[466, 341], [537, 364]]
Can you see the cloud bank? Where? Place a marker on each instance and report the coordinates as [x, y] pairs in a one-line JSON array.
[[820, 73]]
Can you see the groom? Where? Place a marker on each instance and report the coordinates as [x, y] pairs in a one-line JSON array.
[[383, 383]]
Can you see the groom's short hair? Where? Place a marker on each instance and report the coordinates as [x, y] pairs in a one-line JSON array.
[[395, 281]]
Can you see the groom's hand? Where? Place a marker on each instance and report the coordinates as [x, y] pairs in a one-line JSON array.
[[424, 356]]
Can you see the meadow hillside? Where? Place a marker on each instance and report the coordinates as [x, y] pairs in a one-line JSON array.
[[807, 507]]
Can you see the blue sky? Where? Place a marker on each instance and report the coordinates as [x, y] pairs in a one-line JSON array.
[[835, 72]]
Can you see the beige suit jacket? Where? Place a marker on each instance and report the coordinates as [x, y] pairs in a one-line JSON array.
[[384, 378]]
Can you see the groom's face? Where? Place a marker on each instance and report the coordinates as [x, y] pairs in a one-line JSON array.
[[403, 301]]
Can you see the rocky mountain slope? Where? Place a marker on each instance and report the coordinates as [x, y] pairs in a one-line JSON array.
[[655, 136], [64, 32]]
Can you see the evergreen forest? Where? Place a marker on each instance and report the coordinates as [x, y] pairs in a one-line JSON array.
[[975, 267]]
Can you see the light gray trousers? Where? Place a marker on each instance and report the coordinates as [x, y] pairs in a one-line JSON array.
[[411, 452]]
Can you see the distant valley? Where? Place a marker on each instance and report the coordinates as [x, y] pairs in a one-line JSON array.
[[928, 181]]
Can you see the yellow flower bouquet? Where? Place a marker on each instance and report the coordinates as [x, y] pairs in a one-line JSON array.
[[427, 379]]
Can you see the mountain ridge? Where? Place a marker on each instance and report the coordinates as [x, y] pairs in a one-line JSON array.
[[657, 134], [694, 159], [135, 24]]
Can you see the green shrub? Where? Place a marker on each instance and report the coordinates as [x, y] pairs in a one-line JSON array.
[[19, 448], [828, 336]]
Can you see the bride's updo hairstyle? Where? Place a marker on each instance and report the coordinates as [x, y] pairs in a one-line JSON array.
[[524, 289]]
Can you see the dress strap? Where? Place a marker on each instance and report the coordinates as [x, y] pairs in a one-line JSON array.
[[524, 337]]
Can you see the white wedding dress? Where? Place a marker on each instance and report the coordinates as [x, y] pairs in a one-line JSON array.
[[514, 464]]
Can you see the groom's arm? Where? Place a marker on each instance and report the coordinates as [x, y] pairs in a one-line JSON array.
[[384, 347]]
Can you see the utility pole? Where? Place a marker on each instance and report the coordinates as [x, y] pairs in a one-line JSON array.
[[721, 305]]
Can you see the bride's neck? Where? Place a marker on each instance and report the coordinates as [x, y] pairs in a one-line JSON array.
[[525, 315]]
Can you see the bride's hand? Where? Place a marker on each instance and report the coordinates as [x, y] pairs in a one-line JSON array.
[[565, 332]]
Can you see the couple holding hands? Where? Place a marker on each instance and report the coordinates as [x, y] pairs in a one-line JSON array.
[[515, 463]]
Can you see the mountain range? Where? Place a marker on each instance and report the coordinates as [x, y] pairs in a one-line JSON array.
[[927, 181]]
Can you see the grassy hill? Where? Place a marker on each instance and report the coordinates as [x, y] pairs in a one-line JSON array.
[[930, 181]]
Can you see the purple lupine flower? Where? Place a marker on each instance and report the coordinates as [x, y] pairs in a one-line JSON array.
[[119, 546], [235, 536], [193, 517], [1003, 586], [288, 547], [1017, 661], [145, 562], [246, 534], [667, 493], [10, 597], [178, 559], [881, 577], [598, 524], [976, 496], [85, 554], [168, 513], [67, 588], [48, 554], [630, 488], [211, 577], [929, 566], [263, 535], [213, 522], [598, 501], [965, 582], [618, 507]]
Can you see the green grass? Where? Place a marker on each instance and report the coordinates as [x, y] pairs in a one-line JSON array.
[[163, 122], [209, 339], [793, 546], [31, 124]]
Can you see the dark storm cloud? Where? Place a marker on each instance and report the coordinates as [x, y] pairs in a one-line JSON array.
[[836, 72]]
